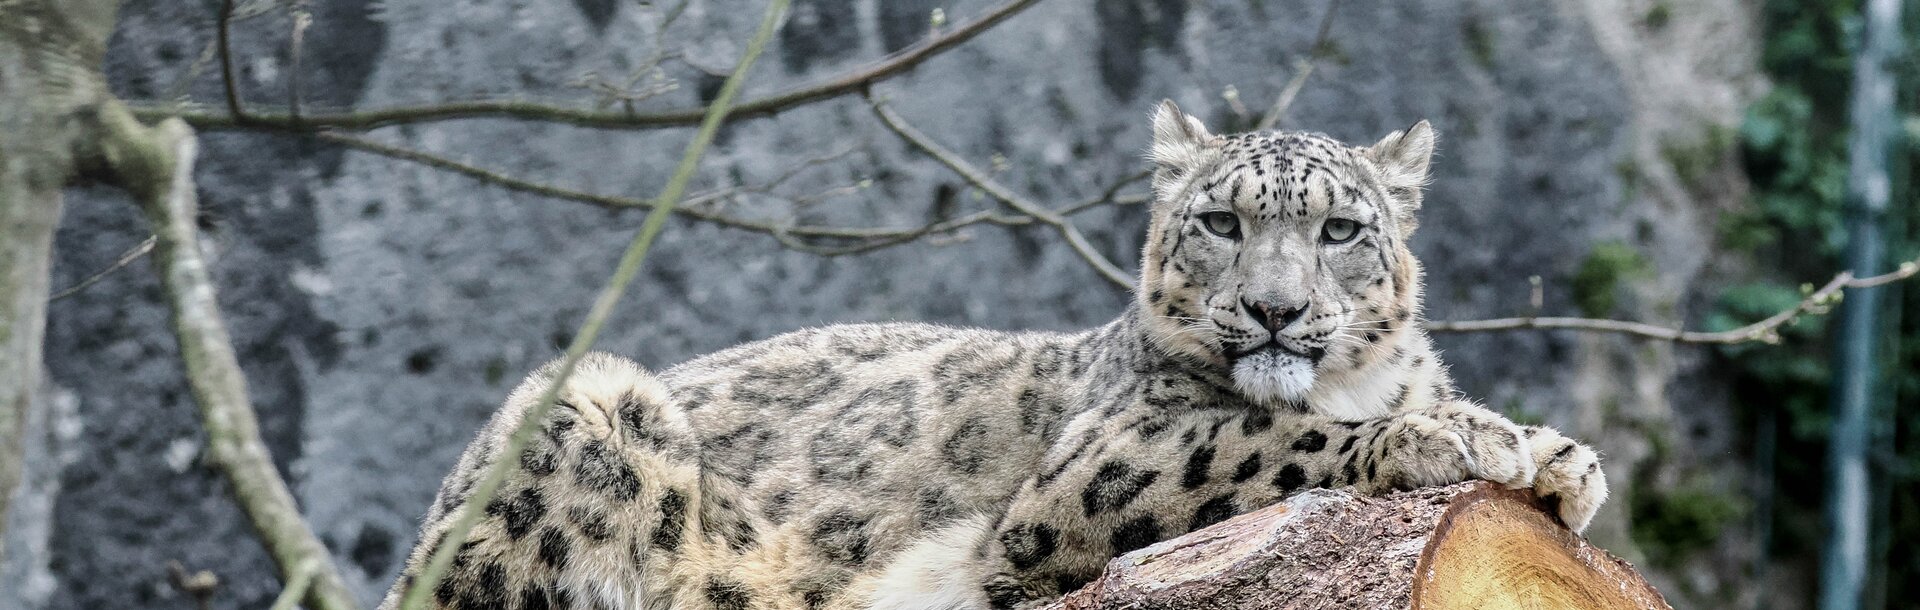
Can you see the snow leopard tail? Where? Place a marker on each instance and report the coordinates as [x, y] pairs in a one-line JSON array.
[[603, 502]]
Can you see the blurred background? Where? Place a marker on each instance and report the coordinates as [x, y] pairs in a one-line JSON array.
[[1678, 162]]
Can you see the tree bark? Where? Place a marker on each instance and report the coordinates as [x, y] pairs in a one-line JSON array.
[[28, 214], [1472, 545], [156, 163], [49, 54], [59, 124]]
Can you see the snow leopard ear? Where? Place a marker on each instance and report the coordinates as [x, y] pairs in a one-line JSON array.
[[1402, 158], [1179, 145]]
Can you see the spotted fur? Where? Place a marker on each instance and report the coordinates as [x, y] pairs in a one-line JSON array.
[[927, 467]]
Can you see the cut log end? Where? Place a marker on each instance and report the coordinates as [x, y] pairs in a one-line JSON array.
[[1496, 549], [1472, 545]]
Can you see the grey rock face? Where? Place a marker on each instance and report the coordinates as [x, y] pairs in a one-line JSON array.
[[383, 309]]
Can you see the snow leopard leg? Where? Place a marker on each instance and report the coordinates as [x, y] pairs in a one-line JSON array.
[[1154, 477], [1570, 479]]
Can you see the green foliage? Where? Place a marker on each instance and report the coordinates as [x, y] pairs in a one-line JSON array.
[[1596, 286], [1671, 525], [1793, 143], [1790, 378], [1799, 173]]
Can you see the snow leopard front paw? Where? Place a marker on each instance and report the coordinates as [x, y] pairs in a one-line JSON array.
[[1570, 480], [1458, 441]]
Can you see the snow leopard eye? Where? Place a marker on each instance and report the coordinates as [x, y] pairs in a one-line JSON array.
[[1339, 230], [1223, 224]]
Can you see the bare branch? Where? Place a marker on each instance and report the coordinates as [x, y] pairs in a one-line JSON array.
[[1767, 331], [201, 584], [177, 89], [157, 165], [635, 87], [1302, 69], [802, 238], [994, 189], [126, 258], [289, 598], [940, 227], [636, 254], [688, 209], [1112, 194], [59, 112], [296, 45], [202, 118], [796, 237], [227, 85]]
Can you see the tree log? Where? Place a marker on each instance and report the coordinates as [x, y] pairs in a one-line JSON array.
[[1471, 545]]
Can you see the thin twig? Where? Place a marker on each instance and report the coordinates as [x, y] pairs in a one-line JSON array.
[[126, 258], [232, 90], [636, 254], [201, 118], [177, 90], [1112, 194], [211, 51], [791, 236], [1302, 69], [1766, 331], [201, 584], [198, 584], [632, 91], [994, 189], [606, 201], [296, 43], [1110, 197], [673, 14]]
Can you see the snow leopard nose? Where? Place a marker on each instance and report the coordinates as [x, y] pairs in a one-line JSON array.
[[1274, 316]]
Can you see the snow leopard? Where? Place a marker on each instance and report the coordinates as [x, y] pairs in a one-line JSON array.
[[1273, 345]]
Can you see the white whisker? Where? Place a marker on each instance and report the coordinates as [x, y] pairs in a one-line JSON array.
[[1364, 323]]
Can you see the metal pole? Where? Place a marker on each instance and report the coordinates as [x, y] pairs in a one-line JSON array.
[[1844, 559]]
